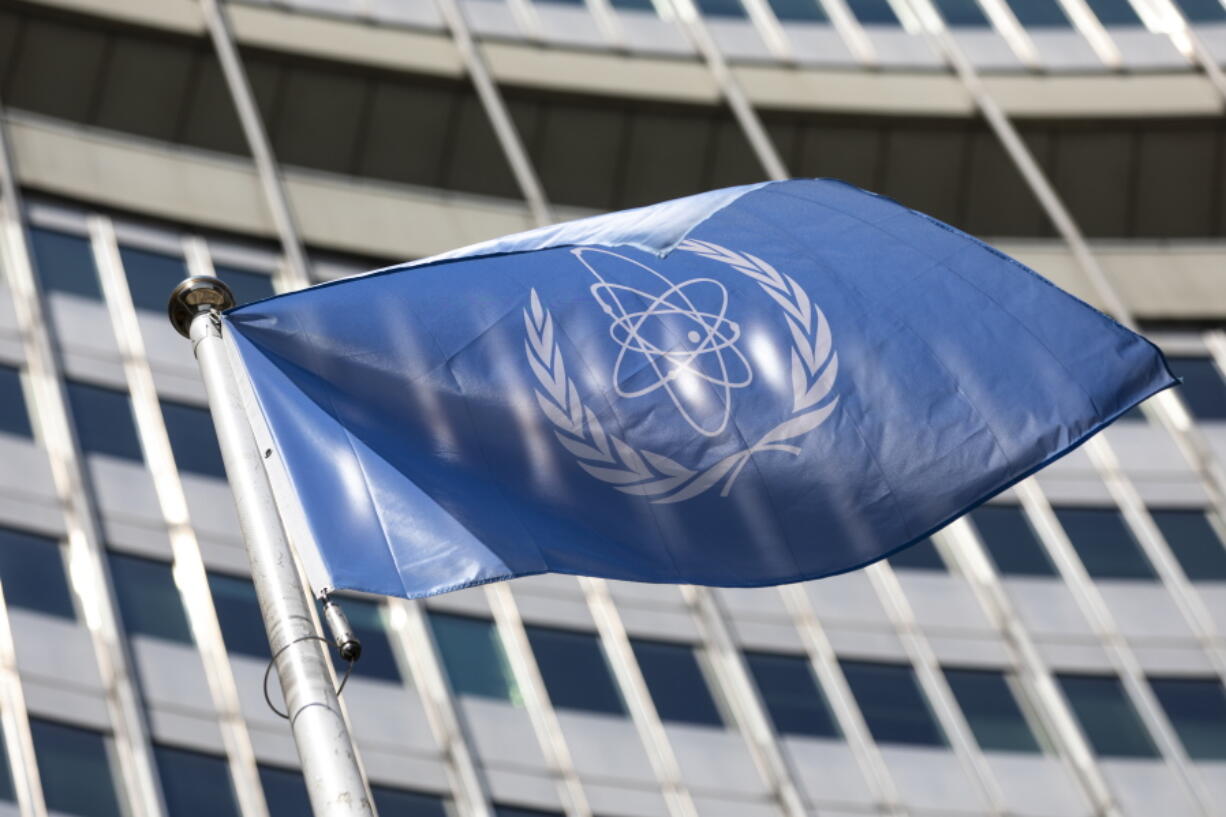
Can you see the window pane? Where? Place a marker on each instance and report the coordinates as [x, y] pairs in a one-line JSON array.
[[1197, 710], [792, 697], [1011, 541], [195, 784], [246, 285], [14, 417], [1202, 11], [678, 687], [238, 613], [992, 710], [285, 792], [963, 13], [1106, 716], [369, 622], [1103, 542], [6, 777], [1194, 542], [799, 11], [151, 277], [32, 571], [516, 811], [473, 656], [576, 674], [892, 703], [873, 12], [922, 555], [1115, 12], [148, 599], [1039, 13], [400, 803], [65, 263], [634, 5], [75, 768], [193, 439], [721, 8], [1203, 388], [103, 418]]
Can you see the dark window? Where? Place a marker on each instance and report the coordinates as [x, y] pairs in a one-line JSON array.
[[32, 571], [151, 276], [1202, 11], [1106, 547], [285, 792], [922, 555], [1115, 12], [246, 285], [238, 613], [369, 622], [104, 422], [634, 5], [517, 811], [1106, 716], [963, 13], [1196, 708], [575, 671], [873, 12], [148, 599], [791, 695], [578, 3], [1203, 388], [992, 710], [678, 687], [473, 656], [400, 803], [799, 11], [75, 768], [65, 263], [14, 418], [1039, 13], [1134, 415], [721, 8], [893, 704], [1194, 542], [195, 784], [193, 439], [1011, 541], [6, 778]]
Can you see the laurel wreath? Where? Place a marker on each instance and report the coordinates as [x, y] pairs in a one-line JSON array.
[[814, 367]]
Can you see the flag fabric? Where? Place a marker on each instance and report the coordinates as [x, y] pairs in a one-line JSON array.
[[753, 386]]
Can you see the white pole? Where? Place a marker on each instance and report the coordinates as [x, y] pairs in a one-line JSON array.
[[329, 759]]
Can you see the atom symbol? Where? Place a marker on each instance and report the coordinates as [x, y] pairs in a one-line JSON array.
[[689, 351]]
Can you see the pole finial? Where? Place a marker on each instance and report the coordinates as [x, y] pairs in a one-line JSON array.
[[199, 293]]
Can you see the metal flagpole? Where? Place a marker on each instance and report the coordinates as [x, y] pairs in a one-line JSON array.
[[329, 759]]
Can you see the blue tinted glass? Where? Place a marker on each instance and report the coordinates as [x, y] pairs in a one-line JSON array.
[[576, 674], [1195, 544], [1202, 11], [1107, 718], [148, 599], [369, 622], [992, 711], [678, 687], [75, 769], [151, 276], [14, 418], [516, 811], [1039, 13], [238, 613], [32, 572], [963, 13], [1196, 708], [1011, 541], [246, 285], [634, 5], [195, 784], [799, 11], [6, 778], [400, 803], [721, 8], [193, 439], [473, 656], [65, 263], [791, 695], [922, 555], [1134, 415], [1103, 542], [103, 418], [873, 12], [1203, 388], [1115, 12], [285, 792], [892, 703]]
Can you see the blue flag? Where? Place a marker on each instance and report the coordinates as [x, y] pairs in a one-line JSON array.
[[747, 387]]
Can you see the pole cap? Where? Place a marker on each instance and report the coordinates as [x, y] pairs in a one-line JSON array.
[[199, 293]]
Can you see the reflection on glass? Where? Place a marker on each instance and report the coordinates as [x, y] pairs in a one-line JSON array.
[[992, 709], [75, 768], [473, 656], [1106, 716]]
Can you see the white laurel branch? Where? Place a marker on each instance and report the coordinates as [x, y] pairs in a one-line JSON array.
[[814, 368]]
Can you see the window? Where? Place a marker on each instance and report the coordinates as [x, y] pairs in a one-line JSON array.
[[798, 11], [1196, 708], [285, 792], [151, 276], [1115, 12], [400, 803], [992, 709], [963, 13], [1203, 388], [1106, 716], [192, 439], [32, 571], [721, 8], [369, 622], [576, 674], [195, 784], [634, 5], [103, 418], [1106, 547], [922, 555], [6, 777], [678, 687], [791, 695], [238, 613], [14, 418], [149, 602], [246, 285], [75, 768], [1039, 13], [873, 12], [1194, 542], [65, 263], [893, 704], [1011, 541], [516, 811], [1202, 11], [473, 657]]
